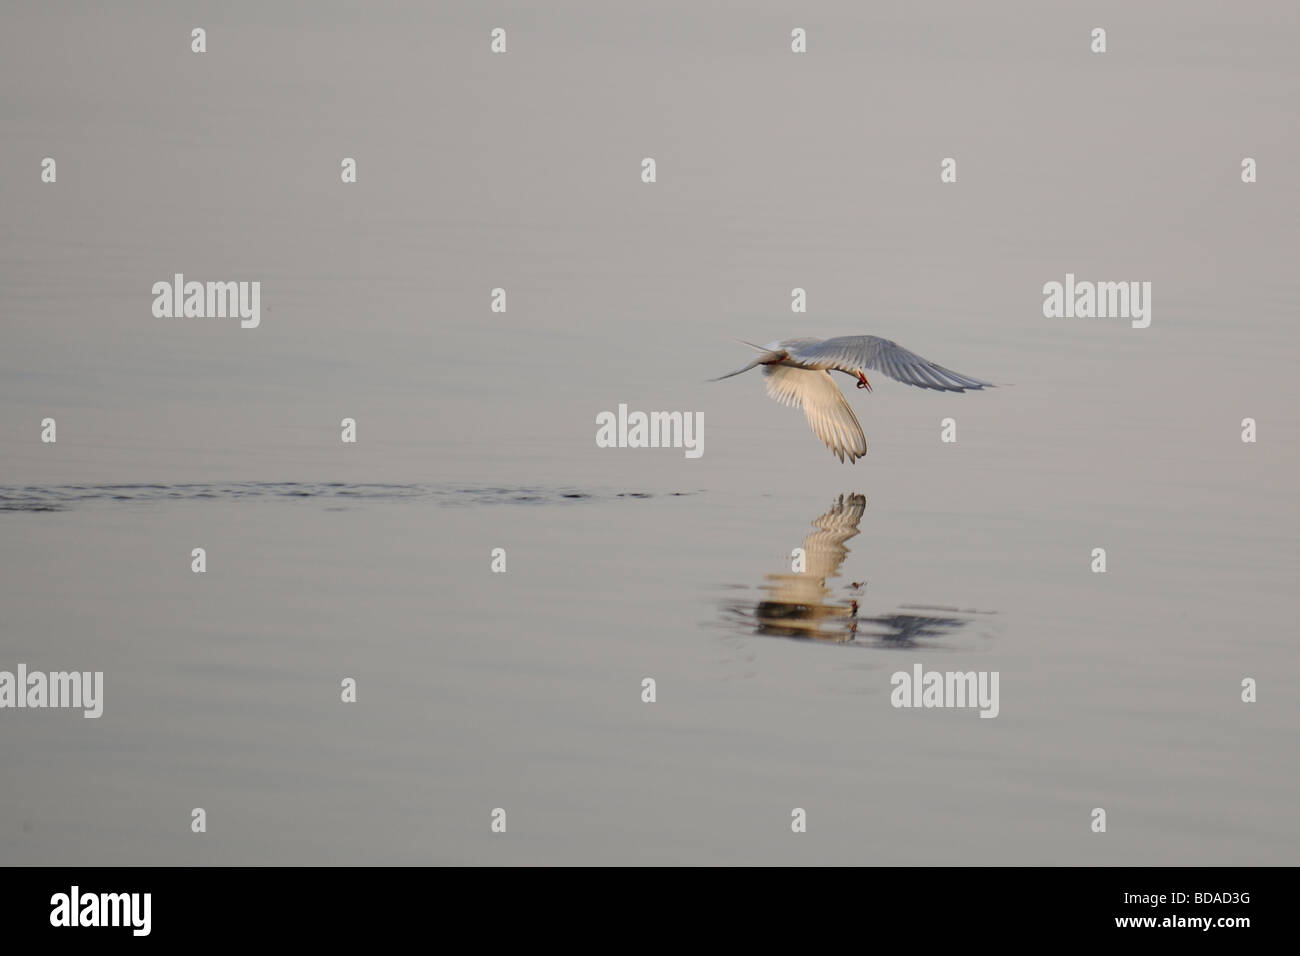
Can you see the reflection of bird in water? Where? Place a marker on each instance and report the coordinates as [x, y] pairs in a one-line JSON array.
[[798, 602], [796, 605], [903, 630]]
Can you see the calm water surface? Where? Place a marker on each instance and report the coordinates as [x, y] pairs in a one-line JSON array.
[[476, 431]]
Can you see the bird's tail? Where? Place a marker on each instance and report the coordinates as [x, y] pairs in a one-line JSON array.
[[767, 356], [757, 361]]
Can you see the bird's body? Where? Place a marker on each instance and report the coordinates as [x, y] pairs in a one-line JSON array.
[[797, 372]]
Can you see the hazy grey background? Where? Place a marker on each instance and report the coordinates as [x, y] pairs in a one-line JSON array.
[[522, 690]]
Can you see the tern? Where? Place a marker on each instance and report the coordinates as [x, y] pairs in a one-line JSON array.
[[798, 372]]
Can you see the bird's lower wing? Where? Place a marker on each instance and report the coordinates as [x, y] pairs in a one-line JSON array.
[[849, 353], [823, 403]]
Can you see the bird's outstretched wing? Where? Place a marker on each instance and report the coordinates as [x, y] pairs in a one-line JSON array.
[[823, 403], [848, 353]]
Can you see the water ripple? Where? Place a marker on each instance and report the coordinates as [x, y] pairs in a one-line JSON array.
[[65, 497]]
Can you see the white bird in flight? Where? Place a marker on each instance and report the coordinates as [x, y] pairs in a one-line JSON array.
[[798, 372]]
